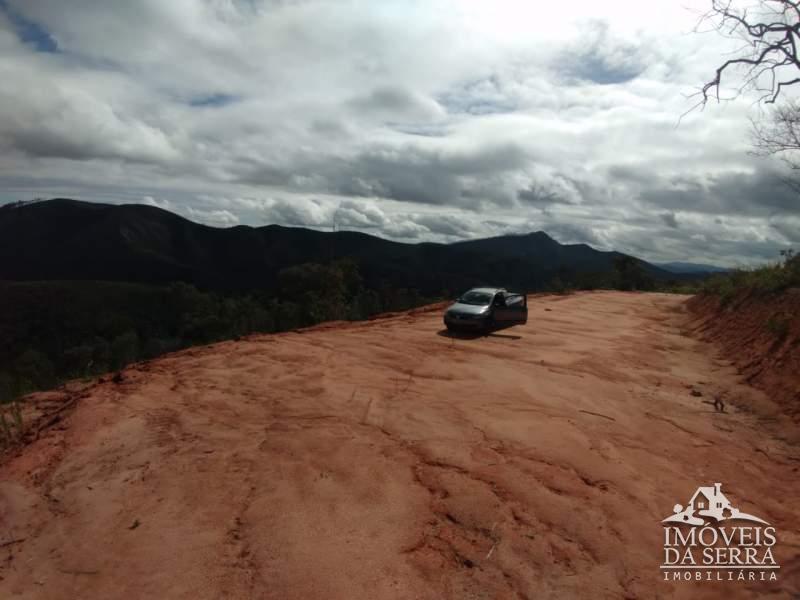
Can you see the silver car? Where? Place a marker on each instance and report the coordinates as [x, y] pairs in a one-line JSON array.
[[486, 308]]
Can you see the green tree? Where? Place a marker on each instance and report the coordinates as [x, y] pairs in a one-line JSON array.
[[34, 370], [77, 361], [631, 275], [124, 349], [8, 387]]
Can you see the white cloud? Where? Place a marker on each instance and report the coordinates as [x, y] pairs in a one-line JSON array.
[[411, 119], [215, 218]]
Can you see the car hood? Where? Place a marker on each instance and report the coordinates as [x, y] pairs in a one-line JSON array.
[[466, 309]]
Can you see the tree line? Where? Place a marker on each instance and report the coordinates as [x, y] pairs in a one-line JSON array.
[[60, 330]]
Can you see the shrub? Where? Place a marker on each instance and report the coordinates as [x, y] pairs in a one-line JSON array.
[[77, 360], [124, 349], [34, 370], [8, 387], [631, 274], [769, 279]]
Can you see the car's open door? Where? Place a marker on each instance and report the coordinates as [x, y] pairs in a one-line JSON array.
[[515, 310]]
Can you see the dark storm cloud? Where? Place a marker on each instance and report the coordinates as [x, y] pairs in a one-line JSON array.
[[789, 230], [254, 172], [44, 144], [428, 131], [401, 175], [434, 176], [213, 100], [631, 173], [762, 193], [397, 104], [49, 140], [601, 69], [669, 219], [539, 195], [429, 176]]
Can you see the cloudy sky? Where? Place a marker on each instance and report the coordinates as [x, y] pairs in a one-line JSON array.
[[414, 120]]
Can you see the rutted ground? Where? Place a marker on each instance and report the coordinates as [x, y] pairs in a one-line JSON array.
[[381, 460]]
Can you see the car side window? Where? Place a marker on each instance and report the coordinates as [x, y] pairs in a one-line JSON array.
[[515, 301]]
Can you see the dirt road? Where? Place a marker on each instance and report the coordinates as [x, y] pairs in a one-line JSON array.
[[387, 460]]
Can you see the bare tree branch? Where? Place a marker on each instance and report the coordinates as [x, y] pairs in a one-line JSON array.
[[767, 63], [779, 134], [771, 30]]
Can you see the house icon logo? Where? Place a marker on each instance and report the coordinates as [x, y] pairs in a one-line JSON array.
[[708, 502], [712, 540]]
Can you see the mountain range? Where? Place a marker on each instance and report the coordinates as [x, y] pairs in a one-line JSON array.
[[63, 239], [686, 267]]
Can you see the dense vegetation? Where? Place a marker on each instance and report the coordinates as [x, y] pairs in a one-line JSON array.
[[59, 330], [769, 279]]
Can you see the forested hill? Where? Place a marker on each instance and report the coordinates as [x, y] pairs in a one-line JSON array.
[[65, 239]]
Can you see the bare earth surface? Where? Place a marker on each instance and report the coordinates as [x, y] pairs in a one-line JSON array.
[[385, 460]]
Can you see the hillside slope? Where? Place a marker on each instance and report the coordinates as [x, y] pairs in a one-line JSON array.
[[67, 239], [760, 334], [387, 460]]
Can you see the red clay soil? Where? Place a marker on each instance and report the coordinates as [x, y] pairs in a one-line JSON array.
[[760, 334], [386, 460]]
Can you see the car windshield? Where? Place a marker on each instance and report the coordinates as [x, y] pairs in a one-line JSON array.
[[477, 298]]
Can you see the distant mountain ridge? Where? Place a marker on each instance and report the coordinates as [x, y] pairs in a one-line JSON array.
[[687, 267], [63, 239]]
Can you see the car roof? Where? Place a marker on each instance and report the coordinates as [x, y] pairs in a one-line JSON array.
[[487, 290]]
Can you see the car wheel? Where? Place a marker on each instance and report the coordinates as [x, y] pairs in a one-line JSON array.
[[488, 324]]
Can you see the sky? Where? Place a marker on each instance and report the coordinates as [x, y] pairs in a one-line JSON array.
[[429, 120]]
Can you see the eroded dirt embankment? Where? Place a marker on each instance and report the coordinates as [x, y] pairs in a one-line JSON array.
[[386, 460], [760, 334]]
